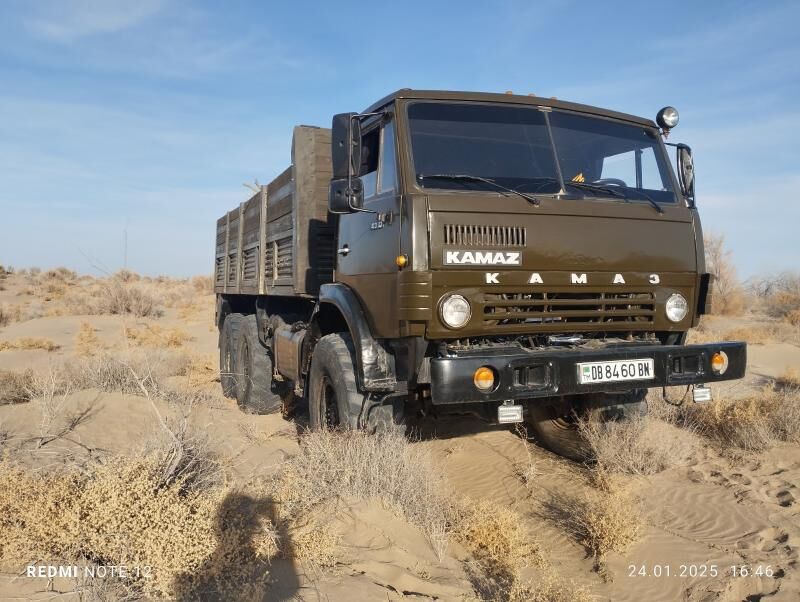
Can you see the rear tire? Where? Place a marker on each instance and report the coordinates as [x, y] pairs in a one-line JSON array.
[[228, 335], [254, 392], [334, 400], [555, 427]]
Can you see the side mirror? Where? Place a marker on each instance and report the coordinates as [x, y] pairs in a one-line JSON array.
[[345, 195], [686, 171], [345, 145]]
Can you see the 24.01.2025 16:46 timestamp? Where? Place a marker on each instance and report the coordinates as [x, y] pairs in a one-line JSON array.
[[699, 570]]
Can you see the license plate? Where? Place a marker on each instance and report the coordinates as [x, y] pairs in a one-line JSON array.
[[617, 370]]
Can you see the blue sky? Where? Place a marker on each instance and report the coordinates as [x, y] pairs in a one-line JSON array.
[[150, 114]]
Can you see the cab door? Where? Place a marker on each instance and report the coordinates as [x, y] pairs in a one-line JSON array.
[[368, 241]]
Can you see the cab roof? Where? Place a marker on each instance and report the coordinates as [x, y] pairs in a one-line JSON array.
[[408, 93]]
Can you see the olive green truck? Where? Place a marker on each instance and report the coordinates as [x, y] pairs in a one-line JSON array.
[[519, 258]]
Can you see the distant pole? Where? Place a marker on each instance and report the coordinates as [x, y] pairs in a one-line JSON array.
[[125, 250]]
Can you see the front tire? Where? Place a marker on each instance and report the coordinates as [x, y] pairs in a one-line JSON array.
[[334, 400], [555, 426], [254, 392]]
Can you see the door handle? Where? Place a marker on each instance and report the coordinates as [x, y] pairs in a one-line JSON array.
[[344, 250]]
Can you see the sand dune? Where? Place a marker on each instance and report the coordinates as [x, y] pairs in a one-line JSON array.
[[718, 510]]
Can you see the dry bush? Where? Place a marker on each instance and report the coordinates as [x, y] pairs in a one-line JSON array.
[[86, 341], [203, 284], [753, 423], [9, 314], [499, 542], [153, 335], [337, 465], [790, 379], [780, 295], [16, 387], [197, 541], [29, 344], [640, 445], [111, 297], [602, 521], [728, 294], [61, 274], [755, 335]]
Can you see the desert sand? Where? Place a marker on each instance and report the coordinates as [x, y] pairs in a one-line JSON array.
[[713, 510]]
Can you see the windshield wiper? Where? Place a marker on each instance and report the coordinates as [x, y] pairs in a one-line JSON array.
[[471, 178], [615, 193]]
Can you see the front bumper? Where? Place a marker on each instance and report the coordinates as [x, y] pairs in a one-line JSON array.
[[526, 374]]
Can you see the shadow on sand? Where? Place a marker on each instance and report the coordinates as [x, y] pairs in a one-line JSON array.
[[240, 519]]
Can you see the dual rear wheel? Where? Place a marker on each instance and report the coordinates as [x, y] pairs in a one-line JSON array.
[[246, 370]]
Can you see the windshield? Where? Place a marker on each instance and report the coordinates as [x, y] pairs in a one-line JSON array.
[[513, 147]]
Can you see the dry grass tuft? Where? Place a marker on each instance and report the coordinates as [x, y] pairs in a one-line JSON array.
[[602, 521], [16, 387], [197, 542], [789, 380], [497, 539], [754, 423], [755, 335], [86, 342], [29, 344], [335, 465], [153, 335], [640, 445]]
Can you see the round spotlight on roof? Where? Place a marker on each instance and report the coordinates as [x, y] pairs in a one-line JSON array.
[[667, 118]]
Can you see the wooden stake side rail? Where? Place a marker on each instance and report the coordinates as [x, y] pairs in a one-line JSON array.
[[281, 241]]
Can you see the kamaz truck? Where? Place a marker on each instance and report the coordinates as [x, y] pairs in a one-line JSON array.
[[519, 258]]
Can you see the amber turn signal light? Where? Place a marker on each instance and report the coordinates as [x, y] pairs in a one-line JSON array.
[[484, 378], [401, 261], [719, 362]]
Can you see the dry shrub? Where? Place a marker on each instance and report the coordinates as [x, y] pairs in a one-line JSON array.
[[728, 294], [203, 284], [640, 445], [202, 370], [29, 344], [197, 541], [9, 314], [790, 379], [86, 341], [780, 295], [336, 465], [602, 521], [755, 335], [498, 540], [153, 335], [753, 423], [60, 274], [16, 387], [111, 297]]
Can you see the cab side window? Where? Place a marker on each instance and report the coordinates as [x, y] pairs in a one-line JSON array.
[[388, 178], [370, 145]]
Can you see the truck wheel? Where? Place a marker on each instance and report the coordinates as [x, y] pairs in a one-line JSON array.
[[555, 427], [254, 392], [227, 354], [333, 397]]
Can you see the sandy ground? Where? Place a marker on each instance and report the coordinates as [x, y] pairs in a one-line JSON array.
[[703, 518]]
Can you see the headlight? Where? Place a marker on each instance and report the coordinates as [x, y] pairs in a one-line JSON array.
[[455, 311], [667, 118], [676, 307]]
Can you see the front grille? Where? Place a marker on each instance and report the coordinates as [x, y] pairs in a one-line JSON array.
[[548, 308], [464, 235]]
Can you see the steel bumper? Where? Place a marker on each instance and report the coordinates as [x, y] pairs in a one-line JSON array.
[[524, 374]]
